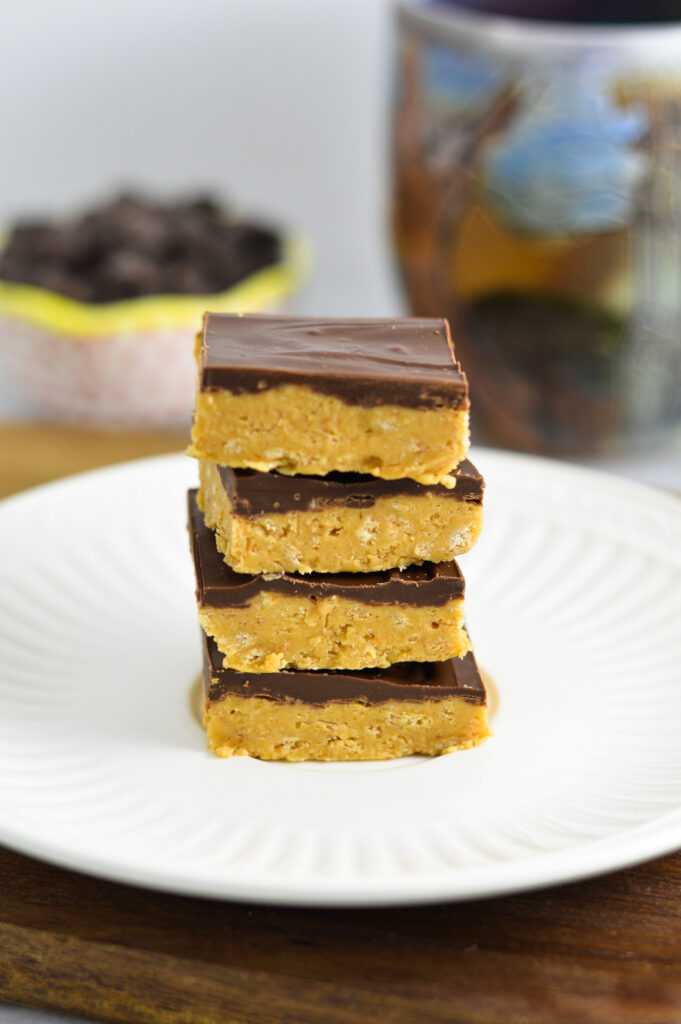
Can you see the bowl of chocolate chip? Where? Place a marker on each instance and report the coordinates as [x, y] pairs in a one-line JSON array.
[[98, 312]]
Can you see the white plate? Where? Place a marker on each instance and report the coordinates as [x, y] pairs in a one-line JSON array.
[[574, 605]]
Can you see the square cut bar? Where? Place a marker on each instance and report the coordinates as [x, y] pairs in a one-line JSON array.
[[333, 621], [409, 708], [345, 522], [311, 396]]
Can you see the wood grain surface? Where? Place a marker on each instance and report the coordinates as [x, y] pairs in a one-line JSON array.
[[604, 951], [607, 950], [32, 454]]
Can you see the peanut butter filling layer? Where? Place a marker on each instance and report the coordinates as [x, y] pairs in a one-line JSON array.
[[296, 430], [342, 731], [275, 631]]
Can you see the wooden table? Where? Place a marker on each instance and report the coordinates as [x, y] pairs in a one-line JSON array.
[[607, 950]]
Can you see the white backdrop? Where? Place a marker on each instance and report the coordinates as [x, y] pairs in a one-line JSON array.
[[276, 103]]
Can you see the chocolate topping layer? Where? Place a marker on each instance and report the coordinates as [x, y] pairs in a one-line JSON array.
[[218, 586], [408, 681], [408, 362], [257, 494]]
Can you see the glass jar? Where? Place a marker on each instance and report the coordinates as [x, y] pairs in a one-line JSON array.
[[537, 204]]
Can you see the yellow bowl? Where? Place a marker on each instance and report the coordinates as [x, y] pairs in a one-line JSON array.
[[127, 363]]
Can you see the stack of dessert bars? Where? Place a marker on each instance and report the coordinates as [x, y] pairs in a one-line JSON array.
[[334, 495]]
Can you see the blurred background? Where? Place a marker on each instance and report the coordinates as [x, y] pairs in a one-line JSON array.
[[277, 105], [396, 162]]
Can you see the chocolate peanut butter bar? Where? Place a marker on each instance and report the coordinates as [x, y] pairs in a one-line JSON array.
[[345, 522], [333, 621], [409, 708], [312, 396]]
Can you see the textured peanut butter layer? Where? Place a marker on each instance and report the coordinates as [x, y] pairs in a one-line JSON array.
[[332, 621], [344, 716], [266, 522], [310, 396]]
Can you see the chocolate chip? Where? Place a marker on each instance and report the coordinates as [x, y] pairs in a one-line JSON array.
[[135, 246]]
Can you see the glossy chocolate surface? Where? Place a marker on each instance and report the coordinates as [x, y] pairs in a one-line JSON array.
[[256, 494], [408, 681], [406, 362], [218, 586]]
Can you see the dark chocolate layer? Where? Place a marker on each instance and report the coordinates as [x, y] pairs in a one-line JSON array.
[[407, 362], [408, 681], [256, 494], [218, 586]]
